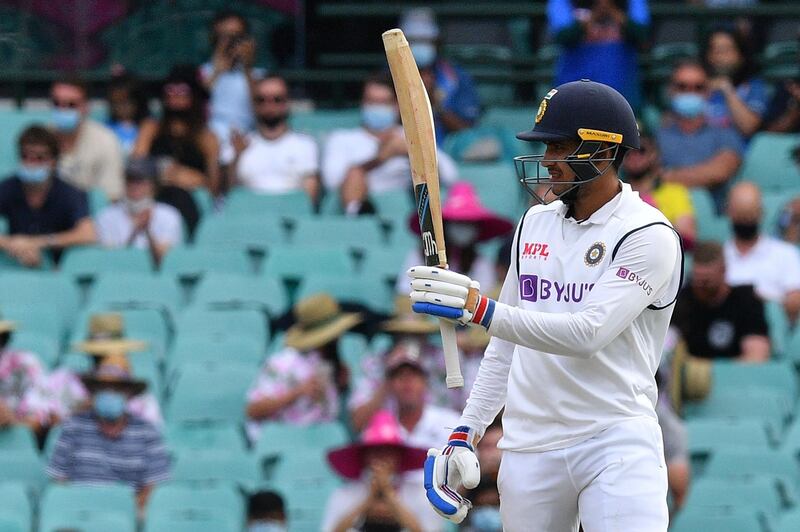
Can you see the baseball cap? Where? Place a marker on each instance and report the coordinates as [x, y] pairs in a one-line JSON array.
[[142, 168]]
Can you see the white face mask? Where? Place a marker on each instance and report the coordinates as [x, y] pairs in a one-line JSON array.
[[138, 206], [461, 234]]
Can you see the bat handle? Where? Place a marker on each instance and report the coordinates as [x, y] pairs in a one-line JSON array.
[[454, 378]]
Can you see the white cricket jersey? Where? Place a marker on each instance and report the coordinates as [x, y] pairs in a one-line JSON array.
[[579, 325]]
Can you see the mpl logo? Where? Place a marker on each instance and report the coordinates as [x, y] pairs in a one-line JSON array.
[[535, 250]]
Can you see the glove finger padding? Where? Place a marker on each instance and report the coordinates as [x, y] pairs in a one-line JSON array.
[[431, 272], [444, 499], [440, 287], [438, 299]]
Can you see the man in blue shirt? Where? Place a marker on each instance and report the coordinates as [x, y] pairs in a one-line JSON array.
[[451, 90], [694, 153], [43, 211]]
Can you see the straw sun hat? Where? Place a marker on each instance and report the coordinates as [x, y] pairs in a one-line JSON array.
[[319, 320], [107, 335]]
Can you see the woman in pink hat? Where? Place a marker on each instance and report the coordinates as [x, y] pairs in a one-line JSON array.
[[466, 224], [378, 495]]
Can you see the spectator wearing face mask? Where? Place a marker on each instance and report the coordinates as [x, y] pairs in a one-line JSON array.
[[695, 153], [43, 211], [758, 259], [266, 512], [641, 169], [138, 220], [466, 223], [373, 158], [452, 93], [90, 154], [274, 159]]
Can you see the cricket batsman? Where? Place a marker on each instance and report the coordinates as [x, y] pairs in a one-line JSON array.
[[577, 333]]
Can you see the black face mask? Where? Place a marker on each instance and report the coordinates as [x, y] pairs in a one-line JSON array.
[[272, 121], [748, 231]]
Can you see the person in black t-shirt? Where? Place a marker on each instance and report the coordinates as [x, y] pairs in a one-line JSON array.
[[43, 212], [717, 320]]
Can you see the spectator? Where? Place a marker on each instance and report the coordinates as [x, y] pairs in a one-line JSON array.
[[274, 159], [485, 513], [466, 224], [789, 222], [676, 450], [487, 449], [738, 99], [694, 153], [302, 383], [600, 42], [230, 77], [454, 98], [377, 495], [405, 392], [138, 220], [717, 320], [187, 150], [43, 211], [107, 444], [127, 108], [266, 512], [642, 171], [91, 156], [755, 258], [783, 112], [372, 158]]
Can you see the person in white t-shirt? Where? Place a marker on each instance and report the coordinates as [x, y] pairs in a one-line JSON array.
[[577, 335], [752, 257], [274, 159], [373, 158], [137, 220]]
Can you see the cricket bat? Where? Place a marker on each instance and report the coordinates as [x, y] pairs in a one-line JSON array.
[[417, 117]]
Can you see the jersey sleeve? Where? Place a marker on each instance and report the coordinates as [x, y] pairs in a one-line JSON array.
[[640, 275]]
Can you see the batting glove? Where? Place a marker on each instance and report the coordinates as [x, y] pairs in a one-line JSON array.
[[456, 465], [449, 295]]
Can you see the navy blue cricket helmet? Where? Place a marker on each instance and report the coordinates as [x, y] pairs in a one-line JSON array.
[[590, 112]]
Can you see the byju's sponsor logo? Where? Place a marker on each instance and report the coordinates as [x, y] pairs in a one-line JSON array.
[[625, 273], [535, 250], [535, 288]]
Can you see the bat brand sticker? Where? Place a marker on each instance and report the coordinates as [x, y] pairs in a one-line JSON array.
[[594, 255]]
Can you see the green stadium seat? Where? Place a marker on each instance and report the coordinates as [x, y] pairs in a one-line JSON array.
[[17, 438], [788, 522], [393, 205], [242, 201], [46, 348], [204, 436], [209, 466], [353, 348], [224, 323], [24, 466], [191, 400], [194, 262], [204, 507], [98, 200], [384, 263], [294, 263], [279, 440], [34, 318], [713, 494], [16, 510], [738, 464], [192, 521], [516, 119], [769, 162], [96, 524], [217, 290], [66, 505], [77, 363], [362, 233], [498, 187], [482, 144], [708, 435], [370, 291], [710, 225], [777, 376], [768, 405], [779, 328], [122, 291], [209, 348], [791, 439], [254, 232], [204, 201], [10, 264], [88, 262], [320, 123], [41, 289], [740, 520]]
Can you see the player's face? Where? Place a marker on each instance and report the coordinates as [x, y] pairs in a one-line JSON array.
[[560, 172]]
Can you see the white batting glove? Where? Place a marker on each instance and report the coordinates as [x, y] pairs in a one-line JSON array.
[[456, 465], [449, 295]]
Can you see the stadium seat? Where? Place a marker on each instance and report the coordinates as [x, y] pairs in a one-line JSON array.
[[278, 440], [498, 187], [204, 436], [254, 232], [383, 263], [223, 323], [23, 466], [194, 262], [192, 521], [779, 328], [200, 348], [769, 162], [46, 348], [204, 507], [217, 290], [16, 510], [209, 466], [41, 320], [739, 464], [370, 291], [294, 263], [714, 494], [305, 480], [204, 201], [42, 289], [768, 405], [17, 438], [88, 262], [191, 400], [777, 376], [68, 505], [393, 205], [135, 291], [708, 435], [482, 144], [788, 522], [362, 233], [319, 123], [515, 118], [791, 439], [353, 348], [741, 520], [242, 201], [710, 225]]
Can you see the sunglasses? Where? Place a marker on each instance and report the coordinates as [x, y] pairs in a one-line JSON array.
[[65, 104], [271, 99], [687, 87]]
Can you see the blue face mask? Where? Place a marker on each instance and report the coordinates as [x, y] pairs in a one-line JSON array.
[[266, 526], [109, 405], [486, 519], [378, 117], [33, 174], [688, 104], [424, 53], [66, 119]]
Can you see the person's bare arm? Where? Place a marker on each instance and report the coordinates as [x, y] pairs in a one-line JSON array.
[[744, 118], [716, 170], [791, 305], [686, 227], [269, 406], [755, 349], [142, 496], [82, 234], [144, 141], [678, 477], [210, 147]]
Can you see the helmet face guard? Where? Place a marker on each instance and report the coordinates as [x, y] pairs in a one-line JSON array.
[[583, 161]]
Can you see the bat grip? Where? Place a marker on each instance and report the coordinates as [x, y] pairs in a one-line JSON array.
[[453, 367]]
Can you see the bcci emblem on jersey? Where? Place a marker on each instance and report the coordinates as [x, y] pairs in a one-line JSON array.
[[595, 254]]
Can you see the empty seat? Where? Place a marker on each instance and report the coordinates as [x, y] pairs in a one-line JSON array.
[[372, 292], [41, 288], [223, 323], [254, 232], [734, 463], [788, 522], [46, 348], [43, 320], [134, 290], [318, 123], [361, 233], [212, 348], [204, 507], [24, 466], [776, 376], [206, 466], [17, 438], [88, 262], [700, 520], [294, 263], [192, 399], [278, 440], [768, 161], [192, 263], [392, 205], [708, 435], [713, 494], [767, 404], [68, 505], [239, 291], [384, 263], [305, 480], [204, 436], [16, 510], [242, 201]]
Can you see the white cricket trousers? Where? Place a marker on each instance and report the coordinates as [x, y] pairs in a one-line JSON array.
[[615, 481]]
